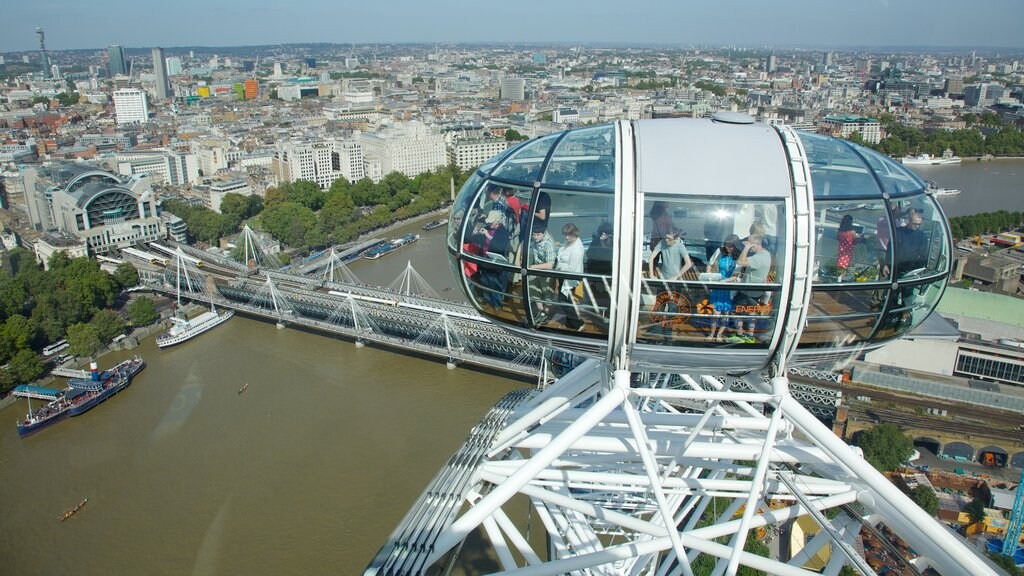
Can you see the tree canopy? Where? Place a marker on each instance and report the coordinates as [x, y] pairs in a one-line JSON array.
[[885, 446], [925, 497], [142, 311]]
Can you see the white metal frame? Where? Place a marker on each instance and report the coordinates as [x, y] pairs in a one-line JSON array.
[[626, 471]]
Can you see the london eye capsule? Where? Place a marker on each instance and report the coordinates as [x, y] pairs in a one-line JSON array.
[[699, 244]]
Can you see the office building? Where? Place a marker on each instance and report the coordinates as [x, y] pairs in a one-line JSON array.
[[468, 153], [252, 89], [312, 161], [411, 149], [513, 89], [173, 66], [163, 88], [117, 65], [130, 106], [163, 166]]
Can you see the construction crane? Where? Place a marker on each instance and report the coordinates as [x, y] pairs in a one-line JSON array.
[[1016, 521]]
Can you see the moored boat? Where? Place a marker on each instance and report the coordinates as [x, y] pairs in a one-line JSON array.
[[44, 416], [81, 395], [929, 160], [389, 247], [435, 224], [183, 329], [91, 392]]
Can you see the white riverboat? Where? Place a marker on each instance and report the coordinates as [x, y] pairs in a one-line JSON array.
[[183, 329]]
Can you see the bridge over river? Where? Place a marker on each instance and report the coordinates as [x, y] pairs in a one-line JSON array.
[[398, 317]]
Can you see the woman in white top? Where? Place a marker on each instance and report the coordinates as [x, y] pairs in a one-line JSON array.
[[570, 259]]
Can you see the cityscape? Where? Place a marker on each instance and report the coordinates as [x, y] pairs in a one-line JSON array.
[[151, 194]]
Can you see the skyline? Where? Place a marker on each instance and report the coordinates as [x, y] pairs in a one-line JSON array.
[[885, 23]]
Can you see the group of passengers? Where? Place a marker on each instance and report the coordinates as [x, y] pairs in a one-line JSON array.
[[748, 261]]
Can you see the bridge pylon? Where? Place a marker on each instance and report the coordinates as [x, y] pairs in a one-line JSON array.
[[444, 333], [337, 271], [270, 298], [254, 254], [410, 283], [350, 314]]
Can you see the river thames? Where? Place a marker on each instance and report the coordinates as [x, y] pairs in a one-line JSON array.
[[308, 471]]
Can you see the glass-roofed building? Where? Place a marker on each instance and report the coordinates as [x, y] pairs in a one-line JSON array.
[[710, 244], [105, 210]]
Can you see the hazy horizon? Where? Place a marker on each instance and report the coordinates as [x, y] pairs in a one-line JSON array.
[[910, 24]]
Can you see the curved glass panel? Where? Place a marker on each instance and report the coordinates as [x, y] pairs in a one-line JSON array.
[[851, 241], [842, 317], [909, 305], [567, 256], [524, 163], [895, 178], [920, 240], [461, 206], [486, 167], [710, 271], [836, 169], [584, 159]]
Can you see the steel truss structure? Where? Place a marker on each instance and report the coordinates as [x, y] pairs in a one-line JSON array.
[[623, 480]]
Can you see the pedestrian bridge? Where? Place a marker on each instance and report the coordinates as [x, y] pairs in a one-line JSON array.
[[407, 315]]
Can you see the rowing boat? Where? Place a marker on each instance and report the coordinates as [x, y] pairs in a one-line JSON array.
[[72, 511]]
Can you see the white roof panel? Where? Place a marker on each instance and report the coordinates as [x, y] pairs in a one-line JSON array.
[[709, 158]]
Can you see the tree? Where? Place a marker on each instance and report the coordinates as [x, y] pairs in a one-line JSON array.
[[20, 332], [925, 497], [142, 311], [513, 136], [126, 276], [83, 339], [885, 446], [976, 510], [26, 366], [108, 325]]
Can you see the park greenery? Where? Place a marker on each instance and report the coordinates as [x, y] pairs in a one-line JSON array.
[[885, 446], [984, 134], [73, 299], [985, 223], [302, 216]]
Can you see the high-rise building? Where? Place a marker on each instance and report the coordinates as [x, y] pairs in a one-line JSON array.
[[118, 65], [163, 89], [44, 60], [310, 62], [513, 89], [252, 89], [173, 66], [954, 85], [130, 106], [771, 64]]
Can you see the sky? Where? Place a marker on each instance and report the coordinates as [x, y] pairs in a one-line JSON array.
[[73, 24]]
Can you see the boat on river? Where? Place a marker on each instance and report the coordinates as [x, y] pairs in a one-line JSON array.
[[435, 224], [89, 392], [937, 190], [389, 247], [81, 395], [929, 160], [72, 511], [183, 329]]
